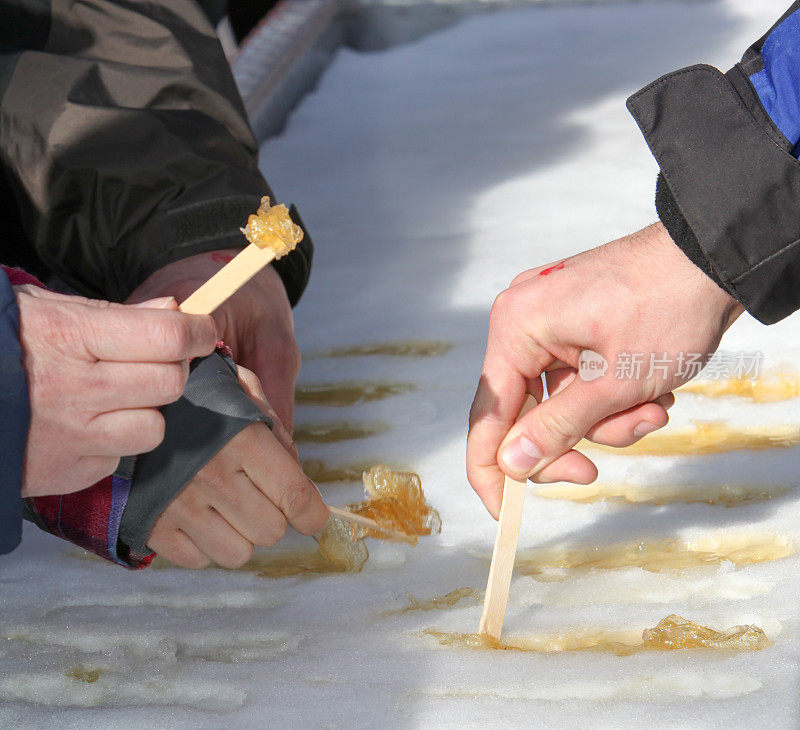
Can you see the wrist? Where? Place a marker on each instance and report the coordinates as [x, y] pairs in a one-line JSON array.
[[181, 278], [677, 265]]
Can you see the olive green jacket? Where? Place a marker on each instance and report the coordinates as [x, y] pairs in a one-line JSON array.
[[124, 143]]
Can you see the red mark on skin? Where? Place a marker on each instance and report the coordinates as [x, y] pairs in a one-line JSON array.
[[550, 270], [221, 258]]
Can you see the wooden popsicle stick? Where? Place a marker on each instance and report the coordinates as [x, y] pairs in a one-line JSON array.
[[235, 274], [354, 518], [363, 521], [505, 550]]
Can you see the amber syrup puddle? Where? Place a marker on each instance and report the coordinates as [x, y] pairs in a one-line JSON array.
[[438, 603], [670, 634], [656, 555], [398, 348], [349, 393], [723, 495], [768, 388], [708, 438], [335, 431]]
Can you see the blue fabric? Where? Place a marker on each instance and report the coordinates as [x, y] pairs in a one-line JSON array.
[[15, 416], [778, 83]]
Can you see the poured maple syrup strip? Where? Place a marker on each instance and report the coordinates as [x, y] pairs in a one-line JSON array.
[[321, 472], [437, 603], [768, 388], [349, 393], [335, 431], [707, 438], [88, 675], [670, 634], [399, 348], [724, 495], [657, 555], [287, 564]]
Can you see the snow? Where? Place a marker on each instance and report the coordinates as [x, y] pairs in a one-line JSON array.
[[429, 175]]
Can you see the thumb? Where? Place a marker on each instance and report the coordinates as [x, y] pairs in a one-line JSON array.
[[553, 427]]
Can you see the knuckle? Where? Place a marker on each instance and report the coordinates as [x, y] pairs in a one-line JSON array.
[[519, 278], [196, 562], [202, 330], [177, 329], [93, 471], [162, 541], [148, 429], [235, 556], [185, 559], [501, 305], [164, 334], [295, 500], [172, 379], [274, 533], [229, 491], [557, 426]]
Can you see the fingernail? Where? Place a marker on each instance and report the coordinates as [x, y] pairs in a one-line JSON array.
[[644, 428], [159, 303], [521, 455]]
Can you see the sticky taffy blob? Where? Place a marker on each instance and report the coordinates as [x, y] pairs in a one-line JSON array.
[[271, 227]]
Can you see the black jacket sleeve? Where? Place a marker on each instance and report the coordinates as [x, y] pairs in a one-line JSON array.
[[124, 141], [729, 188]]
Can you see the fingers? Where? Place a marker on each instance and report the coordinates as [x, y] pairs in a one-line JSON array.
[[252, 386], [627, 427], [500, 395], [146, 385], [238, 501], [489, 422], [124, 432], [176, 546], [41, 293], [131, 334], [555, 426], [572, 467], [497, 403], [620, 429], [280, 478], [215, 537]]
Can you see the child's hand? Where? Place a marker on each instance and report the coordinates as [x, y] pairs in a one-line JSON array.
[[243, 497]]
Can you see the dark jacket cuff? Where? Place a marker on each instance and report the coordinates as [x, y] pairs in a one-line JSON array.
[[733, 181], [679, 230], [211, 226], [14, 418], [211, 411]]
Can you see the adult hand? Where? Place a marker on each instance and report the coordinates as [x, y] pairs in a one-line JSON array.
[[256, 322], [97, 373], [636, 295], [243, 497]]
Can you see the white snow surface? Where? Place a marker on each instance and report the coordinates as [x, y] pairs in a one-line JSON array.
[[429, 175]]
